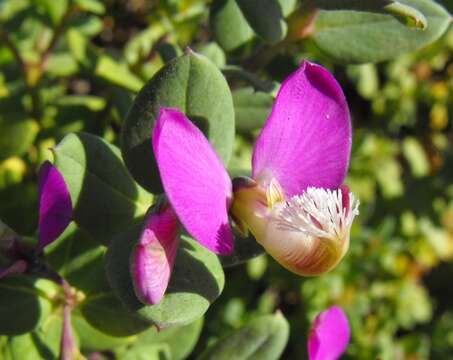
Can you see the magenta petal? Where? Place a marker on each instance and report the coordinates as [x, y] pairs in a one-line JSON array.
[[194, 180], [154, 256], [306, 140], [55, 208], [329, 336]]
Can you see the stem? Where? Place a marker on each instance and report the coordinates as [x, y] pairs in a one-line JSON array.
[[68, 349], [10, 45], [18, 267], [55, 37]]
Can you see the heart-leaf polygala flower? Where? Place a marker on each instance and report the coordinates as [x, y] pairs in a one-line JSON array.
[[153, 257], [329, 335], [55, 207], [295, 205]]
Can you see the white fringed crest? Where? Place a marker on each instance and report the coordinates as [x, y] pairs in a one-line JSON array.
[[318, 213]]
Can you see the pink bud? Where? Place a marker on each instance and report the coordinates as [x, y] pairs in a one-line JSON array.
[[154, 255]]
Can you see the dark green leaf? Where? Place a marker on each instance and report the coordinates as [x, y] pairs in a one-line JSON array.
[[22, 305], [180, 340], [94, 340], [105, 312], [42, 343], [263, 338], [195, 86], [251, 108], [104, 196], [265, 17]]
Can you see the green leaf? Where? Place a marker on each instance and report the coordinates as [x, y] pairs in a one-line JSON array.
[[349, 32], [94, 6], [265, 18], [94, 340], [94, 103], [17, 135], [214, 53], [87, 25], [104, 196], [251, 108], [72, 251], [229, 24], [146, 352], [43, 343], [236, 72], [263, 338], [288, 6], [192, 84], [23, 305], [141, 44], [110, 70], [196, 281], [168, 51], [54, 9], [180, 340], [106, 313], [61, 64], [416, 156], [236, 22]]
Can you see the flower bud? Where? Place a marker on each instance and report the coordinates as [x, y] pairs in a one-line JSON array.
[[154, 255]]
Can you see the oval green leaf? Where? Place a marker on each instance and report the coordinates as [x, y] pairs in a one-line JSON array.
[[197, 280], [263, 338], [229, 25], [22, 305], [353, 34], [180, 340], [265, 17], [92, 339], [192, 84], [105, 198], [251, 108], [18, 134]]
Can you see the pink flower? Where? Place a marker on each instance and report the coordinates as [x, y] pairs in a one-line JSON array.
[[329, 335], [295, 204]]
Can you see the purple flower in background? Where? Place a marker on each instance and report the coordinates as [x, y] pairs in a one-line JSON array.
[[55, 207], [55, 213], [295, 204], [329, 335], [153, 257]]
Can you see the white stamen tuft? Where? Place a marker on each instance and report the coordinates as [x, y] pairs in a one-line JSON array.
[[318, 213]]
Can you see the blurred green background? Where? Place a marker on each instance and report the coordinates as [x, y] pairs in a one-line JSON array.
[[68, 66]]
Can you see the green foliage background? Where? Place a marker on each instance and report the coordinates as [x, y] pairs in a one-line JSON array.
[[68, 66]]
